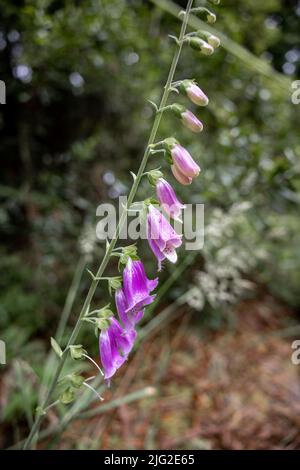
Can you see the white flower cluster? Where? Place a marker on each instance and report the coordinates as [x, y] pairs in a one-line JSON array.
[[226, 262]]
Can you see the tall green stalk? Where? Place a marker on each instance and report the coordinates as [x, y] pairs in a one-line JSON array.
[[114, 240]]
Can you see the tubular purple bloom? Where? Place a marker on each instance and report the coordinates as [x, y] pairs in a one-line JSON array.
[[127, 319], [162, 238], [191, 121], [196, 95], [184, 161], [115, 345], [168, 199], [137, 287]]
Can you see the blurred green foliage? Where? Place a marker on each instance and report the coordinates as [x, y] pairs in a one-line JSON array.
[[78, 77]]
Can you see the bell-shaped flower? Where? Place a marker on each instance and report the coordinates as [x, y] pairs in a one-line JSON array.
[[168, 199], [162, 238], [137, 287], [129, 319], [115, 345]]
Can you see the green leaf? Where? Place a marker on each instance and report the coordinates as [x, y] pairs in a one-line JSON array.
[[56, 347]]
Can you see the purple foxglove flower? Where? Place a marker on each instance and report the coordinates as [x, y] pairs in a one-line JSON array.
[[127, 319], [162, 238], [184, 162], [168, 199], [137, 287], [181, 178], [115, 345], [191, 121], [195, 94]]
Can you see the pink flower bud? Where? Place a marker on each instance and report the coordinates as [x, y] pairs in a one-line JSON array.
[[184, 162], [191, 121], [194, 93]]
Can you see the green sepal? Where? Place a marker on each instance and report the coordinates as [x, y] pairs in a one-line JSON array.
[[178, 109], [152, 201], [154, 176], [196, 43], [67, 396], [114, 283], [169, 143], [76, 380], [102, 323], [105, 312], [129, 251], [40, 411], [77, 351]]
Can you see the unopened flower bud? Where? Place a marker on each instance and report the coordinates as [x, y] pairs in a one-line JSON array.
[[207, 49], [188, 119], [194, 93], [184, 161], [213, 40], [181, 159], [200, 45], [191, 121], [211, 17], [205, 14]]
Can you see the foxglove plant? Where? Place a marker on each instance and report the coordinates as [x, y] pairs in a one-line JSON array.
[[134, 290]]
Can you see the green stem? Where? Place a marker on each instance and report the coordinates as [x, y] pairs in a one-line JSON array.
[[112, 244]]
